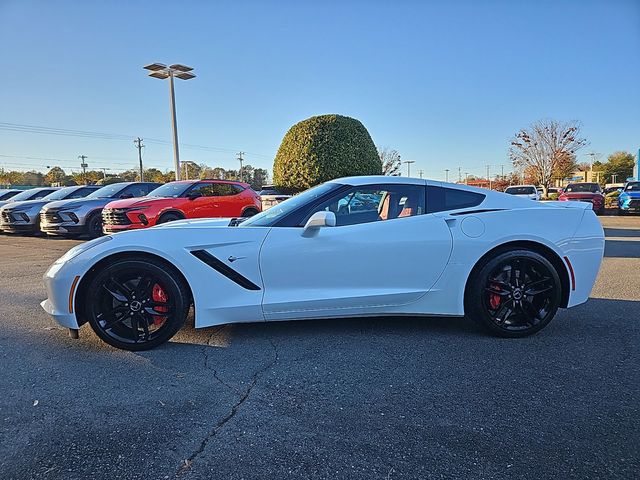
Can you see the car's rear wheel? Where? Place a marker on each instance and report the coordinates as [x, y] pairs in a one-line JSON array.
[[136, 304], [168, 217], [94, 226], [514, 294], [249, 212]]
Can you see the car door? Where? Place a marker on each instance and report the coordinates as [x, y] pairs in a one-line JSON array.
[[383, 252]]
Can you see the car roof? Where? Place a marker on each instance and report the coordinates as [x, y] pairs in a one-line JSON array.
[[368, 179]]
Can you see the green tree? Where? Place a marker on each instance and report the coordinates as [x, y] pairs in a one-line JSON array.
[[55, 175], [322, 148], [619, 164]]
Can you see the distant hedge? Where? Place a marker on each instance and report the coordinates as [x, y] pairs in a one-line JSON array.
[[322, 148]]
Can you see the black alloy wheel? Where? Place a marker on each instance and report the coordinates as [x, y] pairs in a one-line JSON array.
[[94, 226], [137, 304], [515, 294]]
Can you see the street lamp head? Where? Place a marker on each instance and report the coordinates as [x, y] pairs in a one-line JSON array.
[[184, 75], [155, 66], [161, 74], [179, 67]]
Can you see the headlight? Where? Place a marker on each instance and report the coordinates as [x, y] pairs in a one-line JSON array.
[[77, 250]]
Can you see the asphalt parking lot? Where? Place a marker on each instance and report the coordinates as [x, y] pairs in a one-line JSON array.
[[369, 398]]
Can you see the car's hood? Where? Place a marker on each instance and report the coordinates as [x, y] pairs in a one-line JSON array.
[[81, 202], [134, 202], [25, 204]]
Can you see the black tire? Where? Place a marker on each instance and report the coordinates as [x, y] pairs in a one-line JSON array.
[[249, 212], [94, 226], [126, 300], [514, 294], [621, 212], [168, 217]]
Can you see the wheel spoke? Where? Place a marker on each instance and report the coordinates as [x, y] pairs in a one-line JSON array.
[[145, 327], [495, 291], [503, 312], [153, 309], [134, 328], [117, 290], [111, 317], [530, 311], [143, 289], [537, 287]]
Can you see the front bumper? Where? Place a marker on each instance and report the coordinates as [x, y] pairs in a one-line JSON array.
[[628, 204], [59, 283], [123, 228]]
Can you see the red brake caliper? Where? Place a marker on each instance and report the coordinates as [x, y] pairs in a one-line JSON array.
[[158, 295], [494, 298]]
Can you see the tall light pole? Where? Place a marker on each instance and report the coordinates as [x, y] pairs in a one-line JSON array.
[[161, 71], [446, 175], [84, 166], [240, 159], [409, 162]]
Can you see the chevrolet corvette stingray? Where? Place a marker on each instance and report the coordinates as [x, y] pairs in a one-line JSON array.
[[351, 247]]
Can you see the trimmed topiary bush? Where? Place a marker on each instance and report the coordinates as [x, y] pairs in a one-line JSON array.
[[322, 148]]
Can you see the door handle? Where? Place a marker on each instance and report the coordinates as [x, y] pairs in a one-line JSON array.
[[233, 259]]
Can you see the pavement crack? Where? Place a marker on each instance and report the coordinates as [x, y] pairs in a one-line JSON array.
[[205, 353], [186, 464]]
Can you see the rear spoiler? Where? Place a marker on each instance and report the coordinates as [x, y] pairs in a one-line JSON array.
[[569, 204]]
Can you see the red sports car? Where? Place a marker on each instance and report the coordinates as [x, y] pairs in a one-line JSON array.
[[585, 192], [179, 200]]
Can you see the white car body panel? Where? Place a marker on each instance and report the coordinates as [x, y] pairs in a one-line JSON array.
[[416, 265]]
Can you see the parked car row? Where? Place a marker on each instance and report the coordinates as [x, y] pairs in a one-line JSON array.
[[90, 210]]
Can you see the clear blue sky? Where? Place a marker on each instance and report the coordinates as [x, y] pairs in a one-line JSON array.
[[444, 83]]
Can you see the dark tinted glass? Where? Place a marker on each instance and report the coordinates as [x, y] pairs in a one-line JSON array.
[[139, 189], [8, 195], [441, 199]]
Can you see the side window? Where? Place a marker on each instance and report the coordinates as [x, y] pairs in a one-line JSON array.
[[204, 189], [440, 199], [42, 193], [373, 203], [137, 190], [81, 193], [225, 189]]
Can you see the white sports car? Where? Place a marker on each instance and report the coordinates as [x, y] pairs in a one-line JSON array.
[[352, 247]]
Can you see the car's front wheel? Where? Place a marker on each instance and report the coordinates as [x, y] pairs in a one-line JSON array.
[[514, 294], [136, 304]]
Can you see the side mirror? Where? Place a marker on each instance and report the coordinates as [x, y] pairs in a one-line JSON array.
[[194, 195], [317, 221]]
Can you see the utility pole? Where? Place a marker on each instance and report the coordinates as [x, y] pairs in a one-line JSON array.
[[421, 172], [409, 162], [138, 143], [240, 159], [104, 173], [502, 172], [466, 178], [459, 174], [84, 166], [489, 179], [592, 155], [446, 174]]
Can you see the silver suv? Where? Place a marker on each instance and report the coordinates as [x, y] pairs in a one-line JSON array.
[[24, 216], [84, 216]]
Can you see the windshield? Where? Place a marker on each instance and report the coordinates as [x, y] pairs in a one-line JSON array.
[[7, 195], [520, 190], [173, 190], [108, 191], [632, 186], [60, 194], [583, 187], [281, 210], [26, 195]]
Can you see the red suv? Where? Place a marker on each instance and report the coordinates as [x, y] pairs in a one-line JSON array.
[[584, 192], [182, 199]]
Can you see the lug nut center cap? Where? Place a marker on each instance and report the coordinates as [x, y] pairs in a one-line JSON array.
[[135, 306]]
